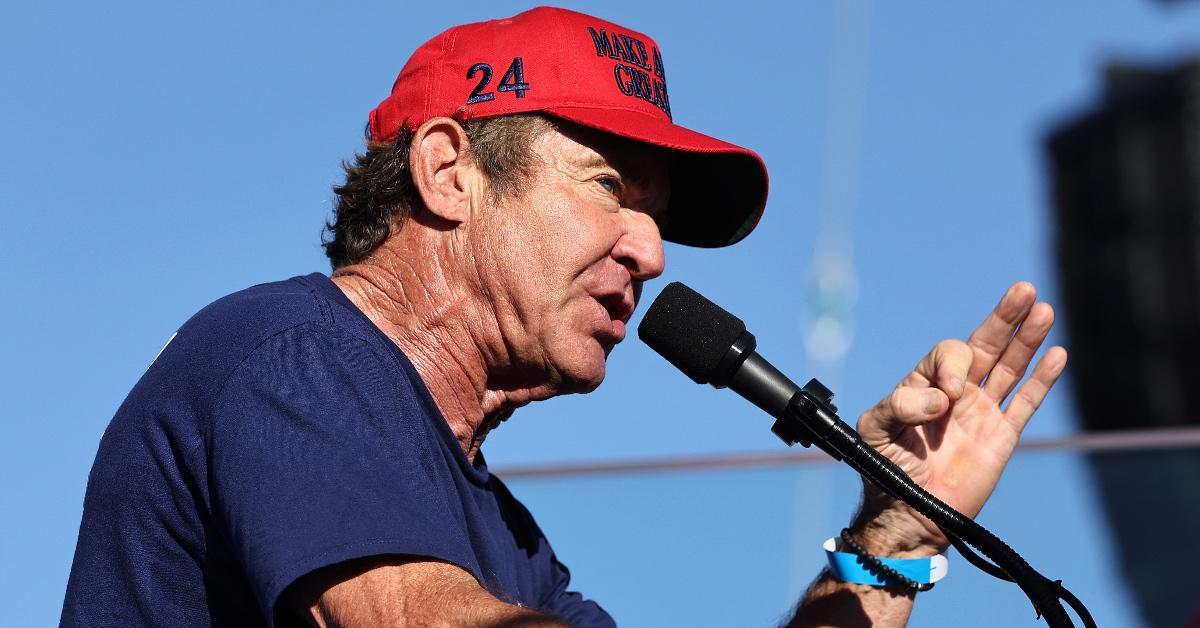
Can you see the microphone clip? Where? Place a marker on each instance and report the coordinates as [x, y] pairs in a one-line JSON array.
[[810, 418]]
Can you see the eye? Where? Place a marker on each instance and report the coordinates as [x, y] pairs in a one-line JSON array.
[[610, 184]]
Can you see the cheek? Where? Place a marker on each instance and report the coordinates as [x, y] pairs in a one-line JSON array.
[[545, 251], [567, 242]]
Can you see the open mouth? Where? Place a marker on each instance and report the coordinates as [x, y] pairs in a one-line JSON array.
[[619, 311], [619, 308]]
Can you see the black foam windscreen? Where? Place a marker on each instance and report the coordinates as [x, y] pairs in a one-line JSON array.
[[690, 331]]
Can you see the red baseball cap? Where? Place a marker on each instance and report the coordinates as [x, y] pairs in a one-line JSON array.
[[591, 72]]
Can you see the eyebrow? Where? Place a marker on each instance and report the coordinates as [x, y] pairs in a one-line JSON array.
[[596, 160], [624, 166]]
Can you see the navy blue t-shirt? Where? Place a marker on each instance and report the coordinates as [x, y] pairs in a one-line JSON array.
[[279, 432]]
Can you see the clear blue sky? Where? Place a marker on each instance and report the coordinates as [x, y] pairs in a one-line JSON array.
[[155, 156]]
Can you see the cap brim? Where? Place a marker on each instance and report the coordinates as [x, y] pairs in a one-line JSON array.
[[718, 189]]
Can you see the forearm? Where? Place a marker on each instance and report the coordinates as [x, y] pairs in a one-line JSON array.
[[454, 608], [410, 594], [498, 615], [829, 602]]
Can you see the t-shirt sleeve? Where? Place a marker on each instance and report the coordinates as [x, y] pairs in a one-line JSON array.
[[571, 606], [317, 455], [555, 597]]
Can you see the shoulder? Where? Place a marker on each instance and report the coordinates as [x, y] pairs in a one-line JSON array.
[[256, 313], [299, 314], [304, 345], [266, 330]]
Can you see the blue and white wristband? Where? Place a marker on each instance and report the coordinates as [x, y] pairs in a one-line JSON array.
[[849, 567]]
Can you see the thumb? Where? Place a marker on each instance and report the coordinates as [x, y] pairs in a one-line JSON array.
[[904, 407]]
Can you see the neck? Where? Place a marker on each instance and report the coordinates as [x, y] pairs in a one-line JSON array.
[[432, 314]]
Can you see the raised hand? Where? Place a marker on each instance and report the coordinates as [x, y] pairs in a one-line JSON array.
[[947, 426]]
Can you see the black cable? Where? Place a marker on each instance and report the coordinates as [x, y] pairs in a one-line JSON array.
[[1076, 604], [992, 570], [973, 558]]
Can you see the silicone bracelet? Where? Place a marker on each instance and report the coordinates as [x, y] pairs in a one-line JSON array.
[[849, 567]]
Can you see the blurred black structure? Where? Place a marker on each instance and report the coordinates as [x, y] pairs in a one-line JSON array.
[[1126, 191]]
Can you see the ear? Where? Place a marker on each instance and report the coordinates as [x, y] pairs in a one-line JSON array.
[[442, 170]]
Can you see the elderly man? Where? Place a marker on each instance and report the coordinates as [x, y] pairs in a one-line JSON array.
[[309, 451]]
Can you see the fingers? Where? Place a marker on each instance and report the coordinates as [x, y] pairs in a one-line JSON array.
[[992, 337], [945, 367], [1030, 395], [1015, 359], [924, 395], [996, 356]]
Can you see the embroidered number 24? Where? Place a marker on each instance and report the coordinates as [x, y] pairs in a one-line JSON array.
[[512, 81]]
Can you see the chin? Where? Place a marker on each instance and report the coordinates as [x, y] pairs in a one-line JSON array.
[[585, 372], [582, 382]]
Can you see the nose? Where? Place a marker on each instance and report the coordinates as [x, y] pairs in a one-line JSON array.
[[640, 248]]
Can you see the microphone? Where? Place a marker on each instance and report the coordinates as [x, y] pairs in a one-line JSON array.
[[712, 346]]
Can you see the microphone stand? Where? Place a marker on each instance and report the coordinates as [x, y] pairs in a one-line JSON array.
[[811, 418]]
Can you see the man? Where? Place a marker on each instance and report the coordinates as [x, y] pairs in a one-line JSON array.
[[309, 451]]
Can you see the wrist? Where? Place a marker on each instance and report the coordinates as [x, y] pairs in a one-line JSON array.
[[897, 531], [853, 564]]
